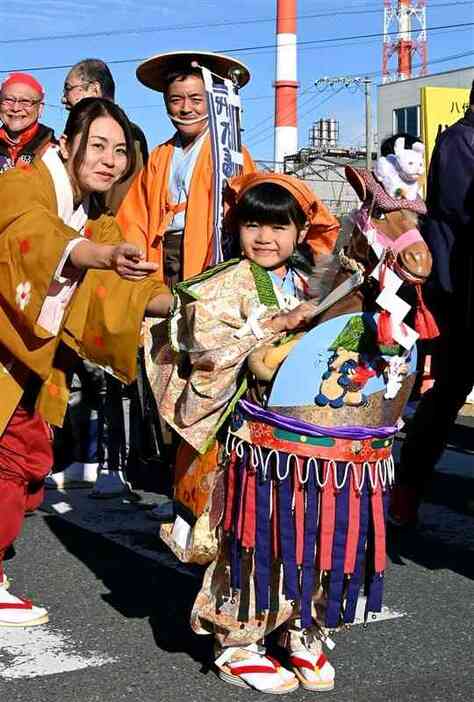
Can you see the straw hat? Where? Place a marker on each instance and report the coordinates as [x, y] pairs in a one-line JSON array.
[[153, 71]]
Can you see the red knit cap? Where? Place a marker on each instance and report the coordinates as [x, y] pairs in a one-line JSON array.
[[24, 78]]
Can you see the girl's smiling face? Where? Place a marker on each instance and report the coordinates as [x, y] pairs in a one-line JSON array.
[[270, 245]]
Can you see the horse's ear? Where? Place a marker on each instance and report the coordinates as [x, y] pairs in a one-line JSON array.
[[356, 181]]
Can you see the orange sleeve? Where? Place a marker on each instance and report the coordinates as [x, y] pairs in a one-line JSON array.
[[323, 231], [134, 213]]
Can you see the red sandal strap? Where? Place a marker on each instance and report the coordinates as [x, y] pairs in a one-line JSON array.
[[243, 669], [303, 663], [321, 661], [24, 604], [275, 662]]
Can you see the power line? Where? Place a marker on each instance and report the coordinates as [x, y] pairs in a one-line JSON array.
[[306, 101], [215, 25], [244, 49], [442, 59], [257, 141], [266, 132]]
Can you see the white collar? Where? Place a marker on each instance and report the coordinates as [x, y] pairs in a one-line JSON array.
[[74, 218]]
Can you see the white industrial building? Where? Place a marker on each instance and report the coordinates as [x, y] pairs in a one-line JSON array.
[[399, 102]]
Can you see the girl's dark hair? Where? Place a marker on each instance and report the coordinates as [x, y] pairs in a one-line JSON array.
[[269, 203], [80, 119]]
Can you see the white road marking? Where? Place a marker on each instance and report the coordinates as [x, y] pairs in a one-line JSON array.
[[62, 507], [38, 651], [386, 613]]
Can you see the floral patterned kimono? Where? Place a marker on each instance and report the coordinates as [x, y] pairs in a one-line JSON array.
[[199, 375]]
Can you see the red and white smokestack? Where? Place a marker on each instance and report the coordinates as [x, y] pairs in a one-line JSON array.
[[405, 39], [286, 85]]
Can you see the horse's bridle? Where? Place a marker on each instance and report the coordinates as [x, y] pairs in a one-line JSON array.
[[388, 250]]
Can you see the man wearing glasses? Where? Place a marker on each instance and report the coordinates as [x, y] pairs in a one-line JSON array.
[[22, 137]]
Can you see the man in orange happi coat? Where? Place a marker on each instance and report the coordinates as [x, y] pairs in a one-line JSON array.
[[168, 210]]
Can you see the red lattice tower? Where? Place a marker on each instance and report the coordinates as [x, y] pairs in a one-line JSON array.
[[404, 35]]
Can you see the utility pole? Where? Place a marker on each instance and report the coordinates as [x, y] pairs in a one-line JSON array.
[[368, 122]]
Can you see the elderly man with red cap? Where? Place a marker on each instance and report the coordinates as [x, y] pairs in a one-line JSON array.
[[22, 137]]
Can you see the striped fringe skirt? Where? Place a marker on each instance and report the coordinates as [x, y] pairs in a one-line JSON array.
[[318, 511]]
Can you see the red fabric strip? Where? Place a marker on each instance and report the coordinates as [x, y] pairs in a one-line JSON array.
[[379, 527], [353, 523], [248, 531], [230, 491], [240, 517], [327, 520]]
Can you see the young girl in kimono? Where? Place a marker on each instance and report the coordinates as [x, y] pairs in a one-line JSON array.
[[220, 317], [51, 308]]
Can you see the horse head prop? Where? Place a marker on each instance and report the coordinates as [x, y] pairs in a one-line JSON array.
[[387, 250], [387, 242], [389, 227]]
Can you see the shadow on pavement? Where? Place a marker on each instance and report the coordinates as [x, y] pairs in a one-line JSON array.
[[444, 538], [139, 588]]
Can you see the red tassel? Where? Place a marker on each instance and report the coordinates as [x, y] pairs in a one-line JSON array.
[[425, 324], [384, 329]]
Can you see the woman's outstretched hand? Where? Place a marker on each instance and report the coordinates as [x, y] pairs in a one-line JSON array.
[[128, 261]]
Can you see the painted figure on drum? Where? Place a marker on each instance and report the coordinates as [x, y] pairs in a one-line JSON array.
[[301, 384]]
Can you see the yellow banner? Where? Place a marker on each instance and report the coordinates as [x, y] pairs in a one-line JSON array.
[[440, 107]]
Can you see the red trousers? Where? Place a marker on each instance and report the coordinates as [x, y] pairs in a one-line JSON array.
[[26, 457]]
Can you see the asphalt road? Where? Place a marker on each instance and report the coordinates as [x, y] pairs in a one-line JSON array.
[[119, 607]]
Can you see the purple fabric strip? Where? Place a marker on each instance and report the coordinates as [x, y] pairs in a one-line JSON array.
[[287, 537], [370, 580], [235, 560], [262, 542], [355, 581], [376, 582], [375, 594], [309, 550], [336, 580], [299, 427]]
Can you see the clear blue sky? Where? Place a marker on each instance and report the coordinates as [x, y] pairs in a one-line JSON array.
[[187, 24]]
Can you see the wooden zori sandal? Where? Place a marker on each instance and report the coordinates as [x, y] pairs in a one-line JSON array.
[[314, 672], [250, 667], [19, 612], [306, 657]]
